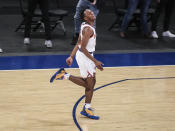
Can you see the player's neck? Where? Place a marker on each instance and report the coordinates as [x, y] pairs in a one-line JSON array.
[[91, 23]]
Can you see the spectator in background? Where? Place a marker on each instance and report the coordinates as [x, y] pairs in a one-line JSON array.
[[81, 6], [44, 6], [167, 6], [1, 50], [131, 8]]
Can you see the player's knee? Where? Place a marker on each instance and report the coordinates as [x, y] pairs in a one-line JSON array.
[[89, 88]]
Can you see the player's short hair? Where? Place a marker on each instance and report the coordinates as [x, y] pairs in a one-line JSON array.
[[82, 14]]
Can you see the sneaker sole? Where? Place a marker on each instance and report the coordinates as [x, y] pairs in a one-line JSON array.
[[89, 116], [54, 76]]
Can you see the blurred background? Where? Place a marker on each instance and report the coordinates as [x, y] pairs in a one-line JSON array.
[[11, 41]]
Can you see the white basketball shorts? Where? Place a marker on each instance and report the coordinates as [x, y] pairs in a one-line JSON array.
[[87, 66]]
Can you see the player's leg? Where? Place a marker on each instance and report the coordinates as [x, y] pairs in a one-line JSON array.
[[89, 89], [61, 74], [87, 110], [78, 80]]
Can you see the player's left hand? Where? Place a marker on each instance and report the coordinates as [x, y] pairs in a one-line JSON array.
[[69, 61], [99, 65]]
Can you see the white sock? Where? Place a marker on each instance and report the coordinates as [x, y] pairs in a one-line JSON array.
[[87, 105], [66, 76]]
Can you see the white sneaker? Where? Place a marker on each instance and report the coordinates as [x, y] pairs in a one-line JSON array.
[[168, 34], [154, 34], [27, 41], [1, 50], [48, 43]]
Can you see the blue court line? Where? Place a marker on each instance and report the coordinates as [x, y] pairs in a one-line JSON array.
[[81, 98], [109, 60]]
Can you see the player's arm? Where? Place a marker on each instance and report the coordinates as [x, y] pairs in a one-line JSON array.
[[69, 60], [87, 33], [75, 48]]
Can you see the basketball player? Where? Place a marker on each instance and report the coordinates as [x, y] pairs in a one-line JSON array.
[[87, 63]]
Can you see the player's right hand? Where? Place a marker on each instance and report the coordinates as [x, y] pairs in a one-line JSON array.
[[69, 61]]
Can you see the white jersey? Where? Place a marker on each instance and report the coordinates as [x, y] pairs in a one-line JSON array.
[[87, 66], [92, 41]]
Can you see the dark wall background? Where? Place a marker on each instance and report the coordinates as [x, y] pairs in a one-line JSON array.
[[13, 5], [65, 4]]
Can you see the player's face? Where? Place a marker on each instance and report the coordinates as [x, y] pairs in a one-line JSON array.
[[89, 15]]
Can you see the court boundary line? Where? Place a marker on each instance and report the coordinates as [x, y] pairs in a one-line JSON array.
[[103, 67], [106, 85]]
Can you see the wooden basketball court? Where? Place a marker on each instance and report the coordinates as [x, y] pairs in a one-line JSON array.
[[143, 101]]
